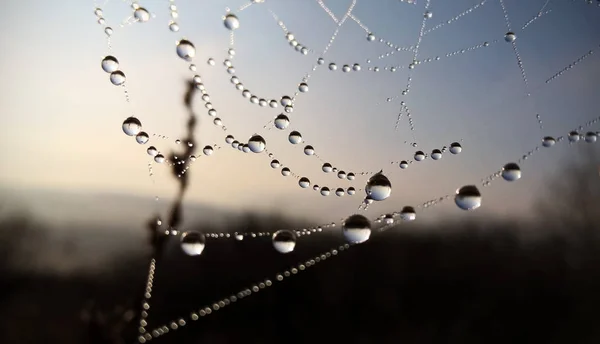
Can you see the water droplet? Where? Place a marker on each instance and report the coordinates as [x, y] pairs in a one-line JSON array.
[[455, 148], [159, 158], [110, 64], [142, 137], [284, 241], [510, 37], [511, 172], [436, 154], [351, 191], [207, 150], [186, 50], [356, 229], [591, 137], [281, 122], [419, 156], [245, 148], [117, 78], [309, 150], [356, 67], [239, 237], [257, 144], [320, 61], [346, 69], [231, 22], [286, 101], [350, 176], [403, 164], [141, 15], [304, 182], [173, 26], [152, 151], [339, 192], [210, 61], [468, 197], [108, 31], [332, 66], [275, 163], [408, 213], [273, 103], [548, 141], [303, 87], [325, 191], [378, 187], [192, 243], [574, 136], [295, 137], [341, 174], [428, 14], [285, 172], [370, 37], [132, 126], [327, 167]]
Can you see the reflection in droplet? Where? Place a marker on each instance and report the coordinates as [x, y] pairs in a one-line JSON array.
[[378, 187], [142, 137], [231, 22], [548, 141], [186, 50], [281, 121], [304, 182], [295, 137], [455, 148], [117, 78], [257, 144], [327, 167], [408, 213]]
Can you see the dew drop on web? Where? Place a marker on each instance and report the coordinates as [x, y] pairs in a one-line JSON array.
[[284, 241], [231, 22], [378, 187], [193, 243], [511, 172], [468, 197], [132, 126], [110, 64], [356, 229]]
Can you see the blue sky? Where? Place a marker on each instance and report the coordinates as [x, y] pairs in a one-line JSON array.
[[61, 117]]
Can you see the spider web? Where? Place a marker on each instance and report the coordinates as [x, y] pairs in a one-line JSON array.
[[447, 75]]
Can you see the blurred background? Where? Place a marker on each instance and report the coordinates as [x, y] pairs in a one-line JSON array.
[[78, 210]]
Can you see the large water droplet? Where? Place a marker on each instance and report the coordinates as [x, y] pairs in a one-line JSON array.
[[275, 163], [192, 243], [257, 144], [231, 22], [455, 148], [141, 14], [591, 137], [574, 136], [548, 141], [341, 174], [208, 150], [436, 154], [325, 191], [511, 172], [110, 64], [285, 171], [286, 101], [132, 126], [142, 137], [468, 197], [378, 187], [327, 167], [356, 229], [332, 66], [304, 182], [339, 192], [419, 156], [152, 151], [303, 87], [351, 191], [309, 150], [281, 121], [284, 241], [295, 137], [403, 164], [186, 50], [159, 158], [117, 78], [510, 37], [408, 213]]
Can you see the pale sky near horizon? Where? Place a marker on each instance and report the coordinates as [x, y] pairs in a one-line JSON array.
[[60, 126]]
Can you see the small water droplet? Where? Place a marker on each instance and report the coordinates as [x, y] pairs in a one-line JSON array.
[[403, 164], [332, 66], [275, 163], [281, 122], [303, 87], [142, 137], [141, 14], [173, 26], [370, 37], [408, 213], [309, 150], [428, 14], [510, 37], [419, 156], [436, 154], [285, 172], [159, 158], [325, 191], [327, 167], [591, 137], [110, 64], [207, 150], [152, 151], [304, 182], [455, 148]]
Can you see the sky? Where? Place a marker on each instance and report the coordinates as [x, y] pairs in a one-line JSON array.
[[60, 127]]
